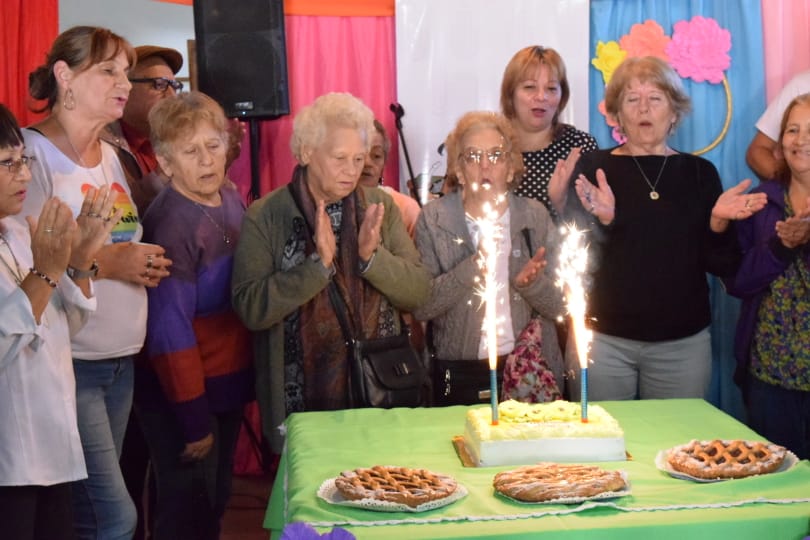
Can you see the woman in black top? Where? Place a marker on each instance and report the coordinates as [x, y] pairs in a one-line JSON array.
[[659, 220]]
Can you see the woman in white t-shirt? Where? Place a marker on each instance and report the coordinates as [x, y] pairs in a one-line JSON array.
[[85, 85]]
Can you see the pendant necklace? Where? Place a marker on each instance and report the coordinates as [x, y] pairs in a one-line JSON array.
[[653, 193], [225, 236], [79, 156], [15, 272]]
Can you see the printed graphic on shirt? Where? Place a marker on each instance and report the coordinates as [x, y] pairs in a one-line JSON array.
[[126, 228]]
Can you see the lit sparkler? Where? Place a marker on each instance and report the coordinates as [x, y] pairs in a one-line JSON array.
[[573, 263], [489, 235]]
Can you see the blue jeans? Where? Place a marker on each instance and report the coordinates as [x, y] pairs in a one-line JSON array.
[[103, 509]]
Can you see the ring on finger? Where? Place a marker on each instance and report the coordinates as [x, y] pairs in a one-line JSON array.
[[592, 209], [49, 231], [149, 262]]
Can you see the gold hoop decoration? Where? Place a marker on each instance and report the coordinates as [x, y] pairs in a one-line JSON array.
[[724, 131]]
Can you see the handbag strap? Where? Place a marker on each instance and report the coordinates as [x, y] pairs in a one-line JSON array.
[[340, 311]]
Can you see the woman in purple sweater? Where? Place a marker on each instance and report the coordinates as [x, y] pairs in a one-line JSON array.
[[191, 389]]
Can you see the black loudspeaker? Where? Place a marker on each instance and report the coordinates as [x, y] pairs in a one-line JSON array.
[[242, 56]]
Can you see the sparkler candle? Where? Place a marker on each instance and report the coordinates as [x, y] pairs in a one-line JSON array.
[[489, 234], [573, 263]]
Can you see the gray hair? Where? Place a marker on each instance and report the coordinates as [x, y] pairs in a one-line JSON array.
[[336, 109]]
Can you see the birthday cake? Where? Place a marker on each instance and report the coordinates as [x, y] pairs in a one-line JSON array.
[[531, 432]]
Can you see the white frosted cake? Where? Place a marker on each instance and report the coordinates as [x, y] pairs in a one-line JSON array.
[[530, 432]]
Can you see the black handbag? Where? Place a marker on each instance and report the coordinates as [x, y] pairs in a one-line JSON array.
[[383, 372]]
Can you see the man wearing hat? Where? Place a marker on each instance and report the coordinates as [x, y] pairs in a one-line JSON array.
[[152, 78]]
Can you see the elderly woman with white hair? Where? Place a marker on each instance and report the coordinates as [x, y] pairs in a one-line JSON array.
[[322, 227]]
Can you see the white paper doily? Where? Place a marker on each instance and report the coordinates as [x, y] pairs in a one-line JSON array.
[[331, 494], [663, 465], [577, 500]]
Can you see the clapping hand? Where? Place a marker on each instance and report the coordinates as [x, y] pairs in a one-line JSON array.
[[369, 236], [597, 200], [325, 242], [96, 219], [795, 230], [533, 268], [52, 237], [558, 182], [735, 204]]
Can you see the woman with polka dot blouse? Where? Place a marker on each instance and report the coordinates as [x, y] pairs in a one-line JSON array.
[[534, 92]]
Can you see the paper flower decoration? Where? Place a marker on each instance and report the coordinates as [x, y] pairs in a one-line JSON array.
[[608, 57], [698, 50], [646, 39]]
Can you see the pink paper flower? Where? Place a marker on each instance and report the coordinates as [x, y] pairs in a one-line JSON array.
[[647, 39], [699, 49]]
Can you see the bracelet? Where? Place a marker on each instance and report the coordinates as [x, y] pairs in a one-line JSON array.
[[75, 273], [51, 283]]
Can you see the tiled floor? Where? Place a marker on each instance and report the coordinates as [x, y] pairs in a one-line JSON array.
[[245, 513]]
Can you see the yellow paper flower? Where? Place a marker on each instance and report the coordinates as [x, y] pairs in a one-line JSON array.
[[608, 57]]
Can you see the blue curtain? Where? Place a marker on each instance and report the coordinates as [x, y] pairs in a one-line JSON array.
[[612, 19]]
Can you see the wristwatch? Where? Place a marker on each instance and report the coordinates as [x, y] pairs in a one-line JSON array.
[[75, 273]]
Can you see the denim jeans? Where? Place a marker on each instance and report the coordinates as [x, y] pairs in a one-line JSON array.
[[103, 509], [191, 496]]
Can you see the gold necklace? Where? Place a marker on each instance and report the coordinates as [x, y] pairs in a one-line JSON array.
[[225, 236], [18, 273], [653, 193]]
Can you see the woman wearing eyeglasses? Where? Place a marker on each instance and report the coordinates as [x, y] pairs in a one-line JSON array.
[[39, 307], [484, 161], [85, 86]]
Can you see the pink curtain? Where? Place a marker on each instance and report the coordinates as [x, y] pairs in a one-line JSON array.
[[328, 54], [786, 34]]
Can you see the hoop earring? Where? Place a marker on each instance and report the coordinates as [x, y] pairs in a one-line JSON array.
[[69, 103]]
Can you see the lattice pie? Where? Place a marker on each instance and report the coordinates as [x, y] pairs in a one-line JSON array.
[[550, 481], [395, 484], [726, 459]]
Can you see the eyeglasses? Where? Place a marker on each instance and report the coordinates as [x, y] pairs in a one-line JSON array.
[[161, 83], [473, 156], [14, 166]]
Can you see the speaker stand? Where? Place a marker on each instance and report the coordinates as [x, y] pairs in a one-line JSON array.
[[255, 181]]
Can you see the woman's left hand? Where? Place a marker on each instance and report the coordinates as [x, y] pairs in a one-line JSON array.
[[96, 219], [795, 230], [533, 268], [735, 204], [597, 200], [369, 236]]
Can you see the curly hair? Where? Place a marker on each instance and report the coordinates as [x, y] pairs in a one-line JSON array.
[[473, 121], [178, 116], [336, 109]]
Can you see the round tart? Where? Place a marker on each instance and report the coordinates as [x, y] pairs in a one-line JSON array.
[[551, 481], [402, 485], [726, 459]]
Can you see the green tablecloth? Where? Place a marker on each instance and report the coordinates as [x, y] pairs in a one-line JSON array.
[[322, 444]]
